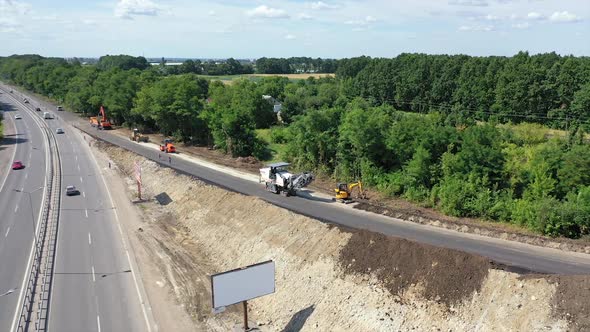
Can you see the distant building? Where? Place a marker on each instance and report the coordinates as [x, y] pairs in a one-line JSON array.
[[276, 105]]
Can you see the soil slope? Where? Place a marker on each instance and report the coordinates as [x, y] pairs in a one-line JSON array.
[[334, 279]]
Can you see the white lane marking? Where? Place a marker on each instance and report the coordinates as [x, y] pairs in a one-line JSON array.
[[98, 322], [93, 276], [89, 239], [8, 230], [26, 175], [16, 208], [84, 194], [86, 211], [76, 158], [78, 167], [81, 180]]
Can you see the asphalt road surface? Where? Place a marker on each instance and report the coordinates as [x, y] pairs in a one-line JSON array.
[[19, 211], [94, 288], [514, 254]]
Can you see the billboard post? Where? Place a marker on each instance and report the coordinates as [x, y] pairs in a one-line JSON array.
[[241, 285], [137, 168]]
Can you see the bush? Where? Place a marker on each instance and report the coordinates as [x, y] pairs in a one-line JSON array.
[[278, 135]]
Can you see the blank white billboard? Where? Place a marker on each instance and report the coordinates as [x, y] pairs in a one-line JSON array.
[[243, 284]]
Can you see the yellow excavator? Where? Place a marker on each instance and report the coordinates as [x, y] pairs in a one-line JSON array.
[[344, 191]]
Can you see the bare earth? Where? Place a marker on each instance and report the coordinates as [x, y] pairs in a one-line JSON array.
[[329, 278]]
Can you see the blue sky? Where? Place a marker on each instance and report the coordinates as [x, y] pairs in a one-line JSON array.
[[283, 28]]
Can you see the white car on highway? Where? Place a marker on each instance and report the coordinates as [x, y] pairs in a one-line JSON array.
[[17, 117]]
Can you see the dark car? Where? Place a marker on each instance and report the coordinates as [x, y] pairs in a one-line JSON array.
[[59, 108], [18, 165], [38, 109], [26, 101], [71, 191]]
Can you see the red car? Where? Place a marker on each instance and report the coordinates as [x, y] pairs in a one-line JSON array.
[[18, 165]]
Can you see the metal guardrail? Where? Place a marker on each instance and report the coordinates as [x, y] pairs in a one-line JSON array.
[[37, 294]]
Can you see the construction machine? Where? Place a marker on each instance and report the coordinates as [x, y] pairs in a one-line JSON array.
[[136, 136], [167, 146], [344, 191], [279, 180], [100, 121]]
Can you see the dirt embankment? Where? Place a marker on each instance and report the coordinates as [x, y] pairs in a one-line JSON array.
[[334, 279]]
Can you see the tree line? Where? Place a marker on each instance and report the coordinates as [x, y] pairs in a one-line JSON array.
[[466, 135]]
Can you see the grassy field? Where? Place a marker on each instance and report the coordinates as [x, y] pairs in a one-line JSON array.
[[228, 79], [276, 150]]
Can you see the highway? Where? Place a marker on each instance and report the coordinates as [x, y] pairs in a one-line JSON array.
[[516, 255], [19, 210], [94, 286]]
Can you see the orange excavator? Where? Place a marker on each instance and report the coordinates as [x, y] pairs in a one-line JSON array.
[[167, 146], [102, 122]]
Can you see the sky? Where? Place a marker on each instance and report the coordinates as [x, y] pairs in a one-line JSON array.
[[285, 28]]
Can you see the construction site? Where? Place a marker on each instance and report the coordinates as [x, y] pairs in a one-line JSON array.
[[328, 277]]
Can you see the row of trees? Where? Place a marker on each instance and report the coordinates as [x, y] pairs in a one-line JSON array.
[[295, 65], [408, 126], [544, 88], [230, 66], [184, 106]]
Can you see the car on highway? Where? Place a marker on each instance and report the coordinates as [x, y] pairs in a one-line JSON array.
[[71, 191], [17, 164], [59, 131], [38, 109], [26, 101], [59, 108], [17, 117]]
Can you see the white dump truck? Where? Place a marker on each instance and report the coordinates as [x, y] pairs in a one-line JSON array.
[[47, 115], [279, 180]]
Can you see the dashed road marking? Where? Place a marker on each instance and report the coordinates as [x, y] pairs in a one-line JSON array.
[[16, 208], [7, 231], [93, 274], [89, 239], [86, 212]]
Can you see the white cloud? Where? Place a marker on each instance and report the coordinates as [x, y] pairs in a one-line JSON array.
[[290, 37], [524, 25], [564, 17], [267, 12], [362, 22], [44, 18], [490, 17], [89, 21], [485, 28], [473, 3], [129, 8], [304, 16], [212, 13], [319, 5], [8, 24], [11, 7], [535, 16]]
